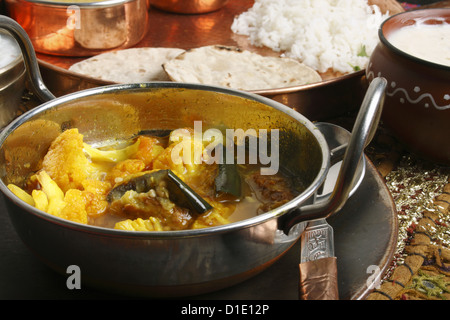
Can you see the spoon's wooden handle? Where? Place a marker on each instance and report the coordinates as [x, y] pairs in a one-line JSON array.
[[318, 280]]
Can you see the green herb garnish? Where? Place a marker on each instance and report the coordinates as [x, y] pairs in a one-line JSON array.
[[362, 52], [355, 68]]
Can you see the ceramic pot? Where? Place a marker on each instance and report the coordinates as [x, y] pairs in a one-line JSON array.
[[417, 105]]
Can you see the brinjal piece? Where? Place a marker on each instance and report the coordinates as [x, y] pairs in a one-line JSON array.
[[179, 192], [228, 179], [160, 133]]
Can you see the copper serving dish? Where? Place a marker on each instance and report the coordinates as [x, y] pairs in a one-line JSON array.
[[337, 94], [80, 28]]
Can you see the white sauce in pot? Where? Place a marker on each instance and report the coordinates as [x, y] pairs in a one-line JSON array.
[[9, 50], [424, 41]]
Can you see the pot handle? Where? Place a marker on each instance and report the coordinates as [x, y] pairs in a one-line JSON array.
[[337, 139], [363, 131], [29, 57]]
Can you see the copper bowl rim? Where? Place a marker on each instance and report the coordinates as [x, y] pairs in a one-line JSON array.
[[263, 92], [83, 5], [310, 86], [188, 7], [421, 13]]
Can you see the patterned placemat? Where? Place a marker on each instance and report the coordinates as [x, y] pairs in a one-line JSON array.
[[421, 192]]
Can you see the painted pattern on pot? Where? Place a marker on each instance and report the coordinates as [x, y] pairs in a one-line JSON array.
[[414, 94]]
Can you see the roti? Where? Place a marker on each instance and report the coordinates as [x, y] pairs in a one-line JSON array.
[[132, 65], [238, 69]]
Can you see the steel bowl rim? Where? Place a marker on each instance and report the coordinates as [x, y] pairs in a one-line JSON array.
[[13, 64], [20, 77], [404, 54], [136, 87]]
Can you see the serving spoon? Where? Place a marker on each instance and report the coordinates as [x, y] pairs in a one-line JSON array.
[[318, 265]]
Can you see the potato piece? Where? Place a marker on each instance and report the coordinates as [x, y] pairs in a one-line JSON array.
[[22, 194], [54, 194], [40, 200]]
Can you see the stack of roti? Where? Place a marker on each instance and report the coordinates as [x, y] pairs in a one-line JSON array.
[[213, 65], [128, 65], [239, 69]]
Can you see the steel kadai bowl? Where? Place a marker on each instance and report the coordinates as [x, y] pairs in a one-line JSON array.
[[174, 263], [170, 263]]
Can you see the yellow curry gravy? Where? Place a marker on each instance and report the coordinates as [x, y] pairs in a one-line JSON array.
[[75, 180]]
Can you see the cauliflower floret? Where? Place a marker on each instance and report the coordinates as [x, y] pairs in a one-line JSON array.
[[124, 169], [65, 161], [75, 207], [70, 161], [216, 217], [150, 224], [95, 193]]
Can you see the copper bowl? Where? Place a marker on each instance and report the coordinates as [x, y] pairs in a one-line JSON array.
[[81, 28], [417, 105], [189, 6]]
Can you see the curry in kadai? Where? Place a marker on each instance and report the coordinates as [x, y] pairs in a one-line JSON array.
[[140, 186]]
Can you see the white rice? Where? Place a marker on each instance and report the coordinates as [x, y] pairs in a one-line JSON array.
[[323, 34]]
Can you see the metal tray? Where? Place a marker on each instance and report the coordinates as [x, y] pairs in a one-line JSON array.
[[337, 94]]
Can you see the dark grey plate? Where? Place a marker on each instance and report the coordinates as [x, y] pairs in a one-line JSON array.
[[365, 236], [365, 233]]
